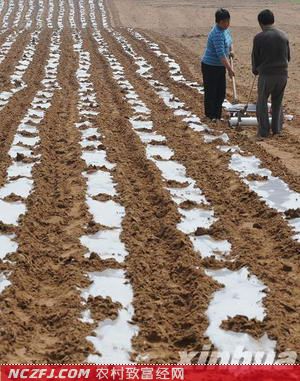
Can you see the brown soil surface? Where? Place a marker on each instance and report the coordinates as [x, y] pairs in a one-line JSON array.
[[13, 112], [181, 27], [40, 311], [161, 265], [237, 206], [7, 67]]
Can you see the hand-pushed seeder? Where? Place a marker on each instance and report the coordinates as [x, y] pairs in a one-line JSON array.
[[241, 114]]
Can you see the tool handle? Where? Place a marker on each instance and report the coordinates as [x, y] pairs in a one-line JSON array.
[[233, 82], [252, 87]]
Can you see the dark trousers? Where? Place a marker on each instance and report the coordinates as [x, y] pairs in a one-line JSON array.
[[214, 81], [274, 86]]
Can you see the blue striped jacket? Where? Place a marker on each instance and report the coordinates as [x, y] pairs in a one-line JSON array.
[[218, 45]]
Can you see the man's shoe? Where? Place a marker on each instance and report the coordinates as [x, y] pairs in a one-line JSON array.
[[260, 138]]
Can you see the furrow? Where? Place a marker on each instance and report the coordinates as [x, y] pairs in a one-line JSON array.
[[14, 14], [16, 82], [24, 12], [4, 9], [24, 155], [20, 101], [106, 243], [6, 46], [44, 306], [28, 17], [284, 165], [250, 214], [15, 19], [9, 11], [174, 68], [194, 218], [2, 4], [274, 191], [161, 264]]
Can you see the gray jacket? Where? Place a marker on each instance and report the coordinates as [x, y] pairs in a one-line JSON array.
[[271, 52]]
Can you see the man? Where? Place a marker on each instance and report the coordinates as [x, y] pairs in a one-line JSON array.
[[214, 64], [270, 57]]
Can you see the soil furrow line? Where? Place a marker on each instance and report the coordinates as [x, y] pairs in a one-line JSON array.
[[272, 190], [5, 9], [45, 324], [282, 167], [39, 17], [157, 249], [2, 8], [27, 18], [281, 161], [13, 58], [16, 108], [109, 287], [285, 141], [7, 45], [183, 55], [238, 214], [24, 157], [104, 250], [35, 17], [26, 15], [189, 63], [24, 10], [6, 15], [174, 70], [191, 204], [77, 14], [56, 8], [44, 16], [16, 82], [67, 17], [3, 38], [16, 16]]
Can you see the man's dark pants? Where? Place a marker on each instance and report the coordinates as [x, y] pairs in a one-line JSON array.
[[214, 81], [274, 86]]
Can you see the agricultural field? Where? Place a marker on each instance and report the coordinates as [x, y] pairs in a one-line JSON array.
[[130, 231]]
